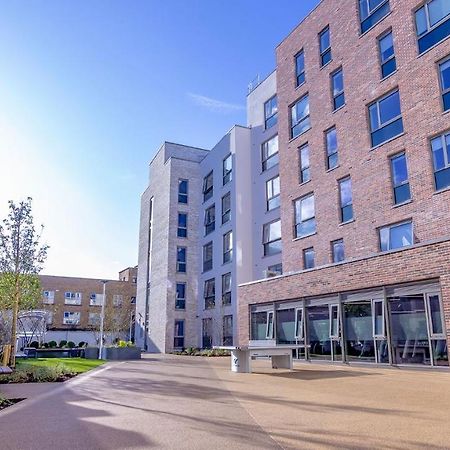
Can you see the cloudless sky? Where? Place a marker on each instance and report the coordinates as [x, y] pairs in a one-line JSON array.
[[90, 89]]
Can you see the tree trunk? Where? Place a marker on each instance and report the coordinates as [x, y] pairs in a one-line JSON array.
[[12, 359]]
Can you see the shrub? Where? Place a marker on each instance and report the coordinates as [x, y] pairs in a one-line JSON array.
[[71, 344], [52, 344], [82, 344], [131, 344], [34, 344], [62, 343], [27, 373], [121, 344]]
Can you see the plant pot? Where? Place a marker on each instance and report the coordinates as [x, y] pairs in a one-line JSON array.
[[91, 352], [121, 353]]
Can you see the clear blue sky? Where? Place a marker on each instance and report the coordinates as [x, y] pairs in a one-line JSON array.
[[90, 89]]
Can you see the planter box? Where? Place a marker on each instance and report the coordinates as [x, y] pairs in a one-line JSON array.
[[91, 352], [121, 353]]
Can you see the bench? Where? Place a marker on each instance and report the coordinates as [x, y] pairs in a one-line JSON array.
[[4, 370], [241, 356]]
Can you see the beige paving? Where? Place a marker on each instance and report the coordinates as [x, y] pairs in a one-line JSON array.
[[175, 402]]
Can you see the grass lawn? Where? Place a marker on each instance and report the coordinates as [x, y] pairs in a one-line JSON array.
[[78, 365]]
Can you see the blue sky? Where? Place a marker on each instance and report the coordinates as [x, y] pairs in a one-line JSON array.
[[90, 89]]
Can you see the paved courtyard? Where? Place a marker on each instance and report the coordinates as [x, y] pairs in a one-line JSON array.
[[197, 403]]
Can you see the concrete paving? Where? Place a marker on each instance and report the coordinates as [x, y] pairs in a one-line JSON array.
[[177, 402]]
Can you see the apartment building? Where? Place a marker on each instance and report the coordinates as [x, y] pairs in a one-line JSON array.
[[203, 218], [74, 306], [364, 163]]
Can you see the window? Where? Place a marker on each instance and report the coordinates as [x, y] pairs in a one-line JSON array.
[[49, 318], [182, 225], [271, 112], [337, 250], [178, 334], [325, 46], [305, 171], [275, 270], [210, 219], [226, 208], [227, 330], [227, 168], [436, 317], [300, 67], [335, 328], [96, 299], [182, 191], [305, 216], [432, 23], [94, 319], [385, 118], [444, 72], [226, 289], [209, 293], [272, 238], [346, 199], [269, 151], [181, 259], [300, 121], [337, 89], [396, 236], [227, 247], [400, 181], [208, 186], [273, 193], [299, 328], [441, 160], [117, 300], [387, 54], [207, 332], [261, 325], [180, 299], [371, 12], [71, 318], [207, 256], [308, 258], [49, 297], [72, 298], [269, 328], [332, 148]]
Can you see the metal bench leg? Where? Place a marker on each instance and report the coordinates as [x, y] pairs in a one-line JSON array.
[[240, 361], [282, 362]]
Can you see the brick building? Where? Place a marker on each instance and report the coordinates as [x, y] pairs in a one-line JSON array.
[[74, 305], [364, 138]]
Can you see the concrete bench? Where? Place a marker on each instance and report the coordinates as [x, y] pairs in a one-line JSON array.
[[5, 370], [241, 356]]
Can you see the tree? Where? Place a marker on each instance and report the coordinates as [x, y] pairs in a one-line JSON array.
[[21, 259]]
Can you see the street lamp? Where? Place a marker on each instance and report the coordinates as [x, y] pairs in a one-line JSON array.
[[102, 320]]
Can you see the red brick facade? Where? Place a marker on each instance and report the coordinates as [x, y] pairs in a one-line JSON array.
[[417, 79]]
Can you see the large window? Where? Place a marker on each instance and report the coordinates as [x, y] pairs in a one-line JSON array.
[[371, 12], [227, 331], [305, 170], [208, 186], [337, 89], [180, 300], [178, 335], [183, 191], [269, 153], [387, 54], [181, 259], [309, 257], [261, 325], [227, 168], [207, 256], [117, 300], [273, 193], [400, 182], [209, 293], [385, 118], [227, 247], [226, 208], [272, 238], [338, 250], [325, 46], [441, 160], [49, 297], [444, 73], [72, 298], [432, 23], [210, 219], [332, 148], [300, 121], [71, 318], [270, 112], [94, 319], [300, 67], [274, 270], [346, 199], [96, 299], [226, 289], [305, 216], [182, 225], [207, 332], [286, 326], [396, 236]]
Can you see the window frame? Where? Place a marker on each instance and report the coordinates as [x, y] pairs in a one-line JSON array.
[[226, 294], [329, 156], [209, 226], [303, 119], [299, 334], [180, 263], [432, 334], [444, 92], [270, 325], [273, 117], [393, 225], [393, 185], [209, 284], [266, 158], [341, 206], [266, 244], [300, 74], [334, 335], [207, 264], [307, 168], [176, 335], [226, 215], [299, 201], [227, 174], [227, 255], [275, 198], [208, 190], [375, 335], [309, 250], [182, 300], [383, 62], [182, 229], [443, 138], [184, 195], [324, 52], [334, 96], [229, 326], [371, 13], [333, 253]]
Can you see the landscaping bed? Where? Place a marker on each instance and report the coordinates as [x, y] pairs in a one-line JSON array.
[[5, 402], [203, 352]]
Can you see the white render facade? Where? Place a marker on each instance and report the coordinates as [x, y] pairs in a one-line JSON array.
[[201, 232]]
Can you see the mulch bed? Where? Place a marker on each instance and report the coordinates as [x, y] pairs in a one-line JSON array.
[[9, 402]]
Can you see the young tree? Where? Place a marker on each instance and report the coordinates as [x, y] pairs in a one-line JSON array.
[[21, 259]]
